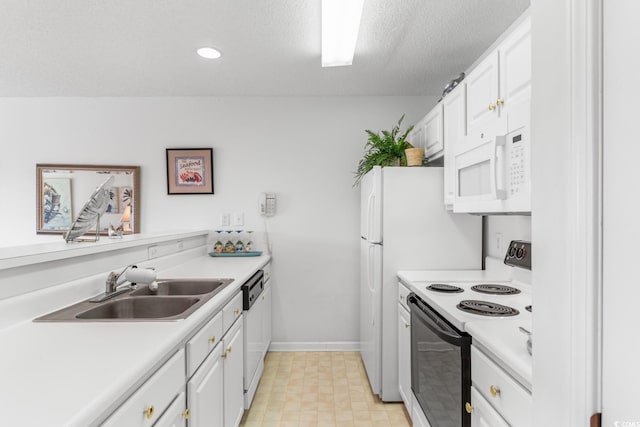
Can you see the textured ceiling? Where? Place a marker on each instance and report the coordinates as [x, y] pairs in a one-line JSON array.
[[270, 47]]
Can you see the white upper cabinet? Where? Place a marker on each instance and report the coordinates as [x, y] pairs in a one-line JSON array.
[[483, 92], [498, 85], [515, 71], [454, 109], [433, 135], [416, 136]]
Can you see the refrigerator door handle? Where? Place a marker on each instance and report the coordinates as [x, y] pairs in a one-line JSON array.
[[370, 205], [370, 282]]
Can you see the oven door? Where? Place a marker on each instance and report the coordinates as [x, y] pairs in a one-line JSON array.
[[440, 367]]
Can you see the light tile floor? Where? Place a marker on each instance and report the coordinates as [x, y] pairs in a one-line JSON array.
[[319, 389]]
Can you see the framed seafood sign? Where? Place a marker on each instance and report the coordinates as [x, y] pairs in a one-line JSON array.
[[189, 170]]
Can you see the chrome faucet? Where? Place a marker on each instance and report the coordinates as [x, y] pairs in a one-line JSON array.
[[114, 280]]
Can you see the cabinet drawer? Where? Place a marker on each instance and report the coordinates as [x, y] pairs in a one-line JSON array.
[[202, 343], [403, 293], [231, 312], [483, 414], [146, 405], [511, 400]]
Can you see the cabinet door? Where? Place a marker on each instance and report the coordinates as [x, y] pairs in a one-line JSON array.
[[433, 140], [416, 137], [205, 392], [515, 70], [482, 95], [176, 414], [233, 375], [483, 414], [454, 111], [404, 356], [144, 407], [266, 323]]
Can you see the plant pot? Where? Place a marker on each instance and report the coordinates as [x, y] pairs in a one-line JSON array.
[[414, 156]]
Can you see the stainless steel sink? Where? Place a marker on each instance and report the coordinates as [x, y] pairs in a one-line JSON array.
[[140, 308], [183, 287], [175, 299]]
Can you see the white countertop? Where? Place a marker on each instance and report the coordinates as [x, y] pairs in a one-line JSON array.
[[75, 374]]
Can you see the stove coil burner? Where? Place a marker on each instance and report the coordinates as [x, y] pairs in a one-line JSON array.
[[493, 289], [485, 308], [441, 287]]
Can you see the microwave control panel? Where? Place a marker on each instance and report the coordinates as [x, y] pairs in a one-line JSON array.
[[517, 167]]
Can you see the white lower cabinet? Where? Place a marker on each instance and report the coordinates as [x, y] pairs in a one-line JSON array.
[[215, 392], [266, 313], [482, 413], [144, 407], [205, 391], [233, 375], [404, 350], [176, 414], [500, 391]]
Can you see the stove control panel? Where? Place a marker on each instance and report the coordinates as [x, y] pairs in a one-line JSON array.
[[519, 254]]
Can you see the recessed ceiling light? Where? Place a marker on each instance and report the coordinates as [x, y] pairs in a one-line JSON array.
[[209, 53]]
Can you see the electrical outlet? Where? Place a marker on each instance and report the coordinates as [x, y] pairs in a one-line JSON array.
[[499, 240], [153, 252], [179, 245], [224, 219], [238, 218]]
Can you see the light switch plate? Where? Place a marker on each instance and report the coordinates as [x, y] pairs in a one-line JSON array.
[[238, 218]]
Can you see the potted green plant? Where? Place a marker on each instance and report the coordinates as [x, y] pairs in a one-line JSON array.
[[385, 148]]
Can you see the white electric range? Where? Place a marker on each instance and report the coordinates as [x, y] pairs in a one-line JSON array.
[[462, 297]]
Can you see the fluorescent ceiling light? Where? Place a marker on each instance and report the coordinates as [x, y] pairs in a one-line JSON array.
[[209, 53], [340, 25]]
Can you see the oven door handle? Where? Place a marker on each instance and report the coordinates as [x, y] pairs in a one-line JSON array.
[[437, 326]]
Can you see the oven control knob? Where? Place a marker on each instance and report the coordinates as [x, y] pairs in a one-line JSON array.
[[512, 251], [495, 391], [468, 407], [520, 253]]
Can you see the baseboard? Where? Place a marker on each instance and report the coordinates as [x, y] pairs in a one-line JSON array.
[[315, 346]]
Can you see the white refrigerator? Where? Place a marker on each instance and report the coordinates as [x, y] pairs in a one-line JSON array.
[[404, 226]]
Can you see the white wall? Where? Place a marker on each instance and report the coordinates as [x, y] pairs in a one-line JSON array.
[[303, 149], [621, 228], [499, 230]]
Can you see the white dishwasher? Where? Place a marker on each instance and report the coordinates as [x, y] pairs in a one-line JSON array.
[[253, 307]]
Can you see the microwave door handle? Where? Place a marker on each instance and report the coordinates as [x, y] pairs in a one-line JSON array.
[[499, 192]]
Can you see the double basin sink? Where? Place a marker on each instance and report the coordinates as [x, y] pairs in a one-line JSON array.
[[173, 300]]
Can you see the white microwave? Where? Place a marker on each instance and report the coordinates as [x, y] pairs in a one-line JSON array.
[[493, 176]]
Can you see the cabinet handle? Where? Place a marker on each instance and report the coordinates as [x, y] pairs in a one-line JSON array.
[[492, 107], [500, 102], [186, 413], [149, 412], [236, 311], [406, 325], [468, 407], [226, 352], [212, 339], [495, 391]]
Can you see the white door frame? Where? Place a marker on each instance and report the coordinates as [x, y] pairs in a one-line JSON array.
[[566, 210]]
